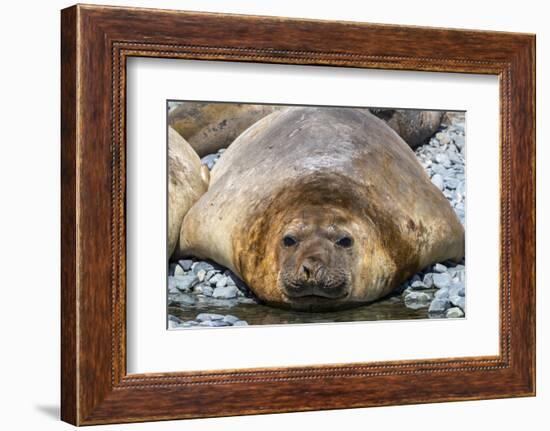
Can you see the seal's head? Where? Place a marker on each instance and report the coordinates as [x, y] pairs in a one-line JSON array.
[[322, 254], [316, 260]]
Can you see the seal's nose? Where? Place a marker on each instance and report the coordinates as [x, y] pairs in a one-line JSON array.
[[311, 268], [306, 271]]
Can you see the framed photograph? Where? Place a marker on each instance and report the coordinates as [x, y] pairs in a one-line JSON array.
[[264, 214]]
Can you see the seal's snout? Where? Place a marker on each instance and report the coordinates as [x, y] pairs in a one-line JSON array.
[[314, 279], [311, 270]]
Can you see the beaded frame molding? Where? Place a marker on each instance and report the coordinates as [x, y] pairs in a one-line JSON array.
[[95, 43]]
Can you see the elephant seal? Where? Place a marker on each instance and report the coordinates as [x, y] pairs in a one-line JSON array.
[[320, 209], [211, 126], [413, 125], [187, 182]]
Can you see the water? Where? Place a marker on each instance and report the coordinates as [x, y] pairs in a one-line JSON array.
[[388, 308]]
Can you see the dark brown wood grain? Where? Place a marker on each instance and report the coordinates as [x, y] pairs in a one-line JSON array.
[[96, 41]]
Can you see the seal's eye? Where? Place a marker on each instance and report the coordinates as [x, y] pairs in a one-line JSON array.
[[289, 241], [345, 242]]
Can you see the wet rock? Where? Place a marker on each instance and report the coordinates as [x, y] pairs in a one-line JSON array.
[[438, 307], [240, 323], [458, 301], [230, 319], [213, 323], [181, 299], [205, 317], [417, 300], [174, 325], [454, 313], [174, 318], [226, 292]]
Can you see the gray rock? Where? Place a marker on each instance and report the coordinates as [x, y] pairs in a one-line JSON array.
[[442, 293], [240, 323], [230, 319], [417, 300], [181, 299], [209, 160], [185, 282], [461, 188], [172, 318], [451, 183], [215, 278], [459, 141], [454, 313], [438, 267], [418, 285], [171, 268], [203, 289], [172, 286], [440, 169], [455, 157], [438, 307], [443, 159], [429, 280], [406, 291], [189, 323], [458, 301], [461, 275], [442, 280], [438, 181], [457, 289], [206, 317], [213, 323], [174, 325], [210, 274], [222, 282], [202, 266], [226, 292], [185, 264]]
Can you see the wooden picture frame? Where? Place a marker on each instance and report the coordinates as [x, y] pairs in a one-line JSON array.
[[95, 43]]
